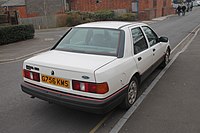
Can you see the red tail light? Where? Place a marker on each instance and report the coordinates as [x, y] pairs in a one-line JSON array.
[[98, 88], [31, 75]]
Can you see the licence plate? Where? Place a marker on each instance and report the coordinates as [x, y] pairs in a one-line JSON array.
[[55, 81]]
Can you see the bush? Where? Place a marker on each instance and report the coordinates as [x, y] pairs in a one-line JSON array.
[[10, 34], [87, 17], [104, 15], [74, 18], [126, 17], [61, 20]]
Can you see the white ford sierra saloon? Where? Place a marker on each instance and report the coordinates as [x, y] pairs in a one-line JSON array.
[[96, 66]]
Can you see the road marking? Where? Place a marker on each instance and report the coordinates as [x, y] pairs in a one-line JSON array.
[[49, 39], [100, 123], [192, 32], [59, 35], [190, 41], [127, 115]]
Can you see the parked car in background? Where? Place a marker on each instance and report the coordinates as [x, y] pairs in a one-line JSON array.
[[198, 2], [96, 66], [195, 4]]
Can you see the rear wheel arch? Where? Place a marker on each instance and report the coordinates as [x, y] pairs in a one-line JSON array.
[[166, 58], [137, 75], [131, 92]]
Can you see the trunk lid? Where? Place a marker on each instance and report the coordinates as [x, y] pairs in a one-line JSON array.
[[67, 65]]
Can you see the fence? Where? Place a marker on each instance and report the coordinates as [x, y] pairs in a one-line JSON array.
[[10, 17], [43, 22], [3, 19]]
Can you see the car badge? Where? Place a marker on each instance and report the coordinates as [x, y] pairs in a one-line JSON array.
[[52, 72], [85, 77]]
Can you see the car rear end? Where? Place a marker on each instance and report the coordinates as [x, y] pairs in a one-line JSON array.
[[73, 86], [68, 75]]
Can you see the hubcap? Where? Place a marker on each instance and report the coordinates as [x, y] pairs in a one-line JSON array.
[[167, 58], [132, 92]]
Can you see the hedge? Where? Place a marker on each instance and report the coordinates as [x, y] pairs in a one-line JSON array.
[[104, 15], [14, 33], [126, 17], [75, 18]]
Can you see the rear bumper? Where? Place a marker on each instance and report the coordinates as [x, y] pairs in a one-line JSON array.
[[98, 106]]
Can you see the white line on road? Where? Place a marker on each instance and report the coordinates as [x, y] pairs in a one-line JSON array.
[[49, 39], [128, 114]]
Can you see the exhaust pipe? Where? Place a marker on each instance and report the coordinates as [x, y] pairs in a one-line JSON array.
[[32, 97]]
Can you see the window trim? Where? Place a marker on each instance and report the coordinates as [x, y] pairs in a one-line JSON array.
[[139, 27], [121, 42], [147, 37]]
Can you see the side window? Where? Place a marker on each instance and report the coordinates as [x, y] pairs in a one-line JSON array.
[[152, 37], [139, 41]]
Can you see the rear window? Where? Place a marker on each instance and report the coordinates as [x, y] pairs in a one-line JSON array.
[[92, 41]]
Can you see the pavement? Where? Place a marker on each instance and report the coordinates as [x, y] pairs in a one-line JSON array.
[[173, 105], [43, 41]]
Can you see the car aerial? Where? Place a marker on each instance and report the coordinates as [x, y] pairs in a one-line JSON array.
[[96, 66]]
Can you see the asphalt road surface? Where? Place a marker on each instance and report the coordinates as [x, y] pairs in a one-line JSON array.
[[21, 114]]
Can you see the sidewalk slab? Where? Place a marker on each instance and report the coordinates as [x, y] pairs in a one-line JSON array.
[[173, 105], [20, 49]]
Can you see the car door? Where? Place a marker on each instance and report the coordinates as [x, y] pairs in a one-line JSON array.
[[142, 52], [155, 46]]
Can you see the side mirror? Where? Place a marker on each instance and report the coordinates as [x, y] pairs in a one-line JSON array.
[[163, 39]]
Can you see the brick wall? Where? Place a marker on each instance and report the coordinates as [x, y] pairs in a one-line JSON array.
[[149, 9], [22, 11], [91, 5]]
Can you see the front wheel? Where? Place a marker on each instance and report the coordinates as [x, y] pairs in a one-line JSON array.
[[131, 94], [166, 59]]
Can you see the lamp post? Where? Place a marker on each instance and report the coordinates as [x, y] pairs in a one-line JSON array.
[[45, 13]]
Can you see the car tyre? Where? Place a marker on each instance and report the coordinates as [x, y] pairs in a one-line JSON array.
[[131, 94], [166, 59]]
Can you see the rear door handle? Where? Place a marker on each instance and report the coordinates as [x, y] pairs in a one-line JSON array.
[[139, 58], [154, 50]]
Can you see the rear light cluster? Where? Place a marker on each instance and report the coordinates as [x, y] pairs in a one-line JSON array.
[[31, 75], [98, 88]]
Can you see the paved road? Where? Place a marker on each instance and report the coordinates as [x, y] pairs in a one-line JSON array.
[[19, 113], [172, 106]]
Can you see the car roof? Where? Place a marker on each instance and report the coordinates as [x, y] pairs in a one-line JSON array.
[[109, 24]]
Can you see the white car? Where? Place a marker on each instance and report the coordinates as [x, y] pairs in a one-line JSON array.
[[96, 66]]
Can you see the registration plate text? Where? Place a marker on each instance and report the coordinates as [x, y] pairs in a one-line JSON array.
[[55, 81]]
